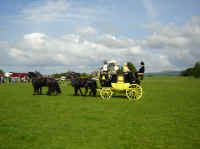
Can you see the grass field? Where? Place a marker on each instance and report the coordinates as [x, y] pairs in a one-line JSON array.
[[167, 116]]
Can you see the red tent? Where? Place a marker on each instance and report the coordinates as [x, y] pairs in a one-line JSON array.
[[20, 75]]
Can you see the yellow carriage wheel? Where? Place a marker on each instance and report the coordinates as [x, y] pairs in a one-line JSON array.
[[138, 91], [131, 94], [106, 93]]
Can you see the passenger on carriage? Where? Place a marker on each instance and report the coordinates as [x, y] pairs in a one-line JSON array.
[[113, 68], [127, 73], [104, 74], [108, 73], [125, 68]]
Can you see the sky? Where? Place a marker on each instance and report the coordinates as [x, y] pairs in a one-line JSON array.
[[54, 36]]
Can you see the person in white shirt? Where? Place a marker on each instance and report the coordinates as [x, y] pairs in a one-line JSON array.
[[105, 66]]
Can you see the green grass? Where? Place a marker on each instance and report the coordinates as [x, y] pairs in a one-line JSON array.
[[167, 116]]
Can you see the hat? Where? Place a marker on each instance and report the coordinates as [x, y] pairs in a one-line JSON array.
[[125, 64]]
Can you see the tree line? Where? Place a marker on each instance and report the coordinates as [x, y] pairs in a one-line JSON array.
[[193, 71]]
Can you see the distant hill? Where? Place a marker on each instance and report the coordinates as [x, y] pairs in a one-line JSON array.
[[164, 73]]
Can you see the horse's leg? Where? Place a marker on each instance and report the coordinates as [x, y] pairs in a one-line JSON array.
[[86, 90], [40, 90], [94, 88], [58, 90], [49, 91], [80, 91], [94, 91], [34, 90], [54, 91], [75, 91]]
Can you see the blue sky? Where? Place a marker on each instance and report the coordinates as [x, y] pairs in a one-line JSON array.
[[133, 30]]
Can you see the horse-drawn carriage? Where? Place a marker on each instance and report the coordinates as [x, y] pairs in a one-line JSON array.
[[131, 89], [112, 80]]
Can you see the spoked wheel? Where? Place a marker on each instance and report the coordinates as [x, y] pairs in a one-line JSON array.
[[106, 93], [134, 92], [131, 94]]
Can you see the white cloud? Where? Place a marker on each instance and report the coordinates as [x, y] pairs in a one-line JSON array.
[[168, 48], [49, 10], [180, 44], [58, 10], [76, 52], [37, 36], [87, 30], [5, 58]]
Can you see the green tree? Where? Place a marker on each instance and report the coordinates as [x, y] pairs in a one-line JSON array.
[[196, 70], [131, 67], [56, 75], [187, 72], [1, 71], [84, 74]]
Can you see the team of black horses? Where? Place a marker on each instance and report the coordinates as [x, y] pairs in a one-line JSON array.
[[38, 81], [78, 82]]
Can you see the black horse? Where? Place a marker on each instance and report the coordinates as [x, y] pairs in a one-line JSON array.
[[77, 82], [38, 81]]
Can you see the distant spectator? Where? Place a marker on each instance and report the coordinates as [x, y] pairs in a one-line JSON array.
[[9, 79], [1, 79]]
